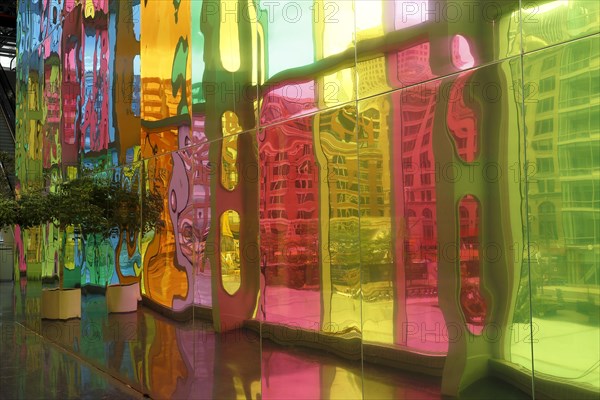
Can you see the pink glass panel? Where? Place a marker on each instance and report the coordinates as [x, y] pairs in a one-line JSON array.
[[289, 229], [472, 302], [462, 120], [424, 327]]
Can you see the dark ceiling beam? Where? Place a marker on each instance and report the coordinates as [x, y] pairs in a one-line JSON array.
[[8, 21]]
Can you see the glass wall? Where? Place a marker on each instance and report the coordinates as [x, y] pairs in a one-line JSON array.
[[389, 185]]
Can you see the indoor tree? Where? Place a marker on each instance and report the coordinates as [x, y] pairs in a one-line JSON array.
[[92, 204]]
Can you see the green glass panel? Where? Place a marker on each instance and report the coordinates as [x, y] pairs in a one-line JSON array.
[[547, 23], [563, 150]]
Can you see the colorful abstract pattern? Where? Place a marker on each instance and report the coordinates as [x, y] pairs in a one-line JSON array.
[[418, 175]]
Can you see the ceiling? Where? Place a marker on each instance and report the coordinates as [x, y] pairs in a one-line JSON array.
[[8, 28]]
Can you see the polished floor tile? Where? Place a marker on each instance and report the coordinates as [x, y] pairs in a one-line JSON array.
[[33, 368], [148, 353]]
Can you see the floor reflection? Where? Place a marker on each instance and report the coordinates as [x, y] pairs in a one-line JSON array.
[[33, 368], [294, 373], [165, 359]]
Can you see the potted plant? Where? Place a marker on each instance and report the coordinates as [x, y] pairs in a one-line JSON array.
[[92, 204], [134, 212], [74, 203]]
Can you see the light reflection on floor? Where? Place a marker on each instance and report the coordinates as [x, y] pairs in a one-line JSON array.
[[33, 368], [167, 359], [424, 331]]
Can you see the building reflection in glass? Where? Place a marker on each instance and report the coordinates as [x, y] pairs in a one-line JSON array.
[[350, 197], [289, 229]]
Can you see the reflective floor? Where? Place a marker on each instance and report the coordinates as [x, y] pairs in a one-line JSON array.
[[127, 355], [31, 367]]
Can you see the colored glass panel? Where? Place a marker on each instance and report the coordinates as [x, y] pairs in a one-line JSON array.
[[166, 86], [320, 73], [230, 251], [472, 302], [289, 225], [401, 185], [563, 211]]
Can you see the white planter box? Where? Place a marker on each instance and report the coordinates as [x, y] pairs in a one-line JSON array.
[[61, 303], [122, 298]]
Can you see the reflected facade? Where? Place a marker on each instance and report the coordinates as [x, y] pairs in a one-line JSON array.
[[412, 185]]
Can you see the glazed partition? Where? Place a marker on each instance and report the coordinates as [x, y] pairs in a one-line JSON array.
[[387, 185]]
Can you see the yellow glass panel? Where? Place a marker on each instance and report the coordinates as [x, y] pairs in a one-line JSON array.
[[229, 150], [252, 17], [337, 87], [230, 251], [338, 26], [369, 16], [229, 42], [376, 240], [335, 133]]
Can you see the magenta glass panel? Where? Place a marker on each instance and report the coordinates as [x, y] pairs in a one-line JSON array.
[[286, 100], [472, 302], [424, 326], [410, 66], [289, 228], [282, 371], [70, 5], [70, 88], [20, 251], [414, 41], [94, 84], [462, 119]]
